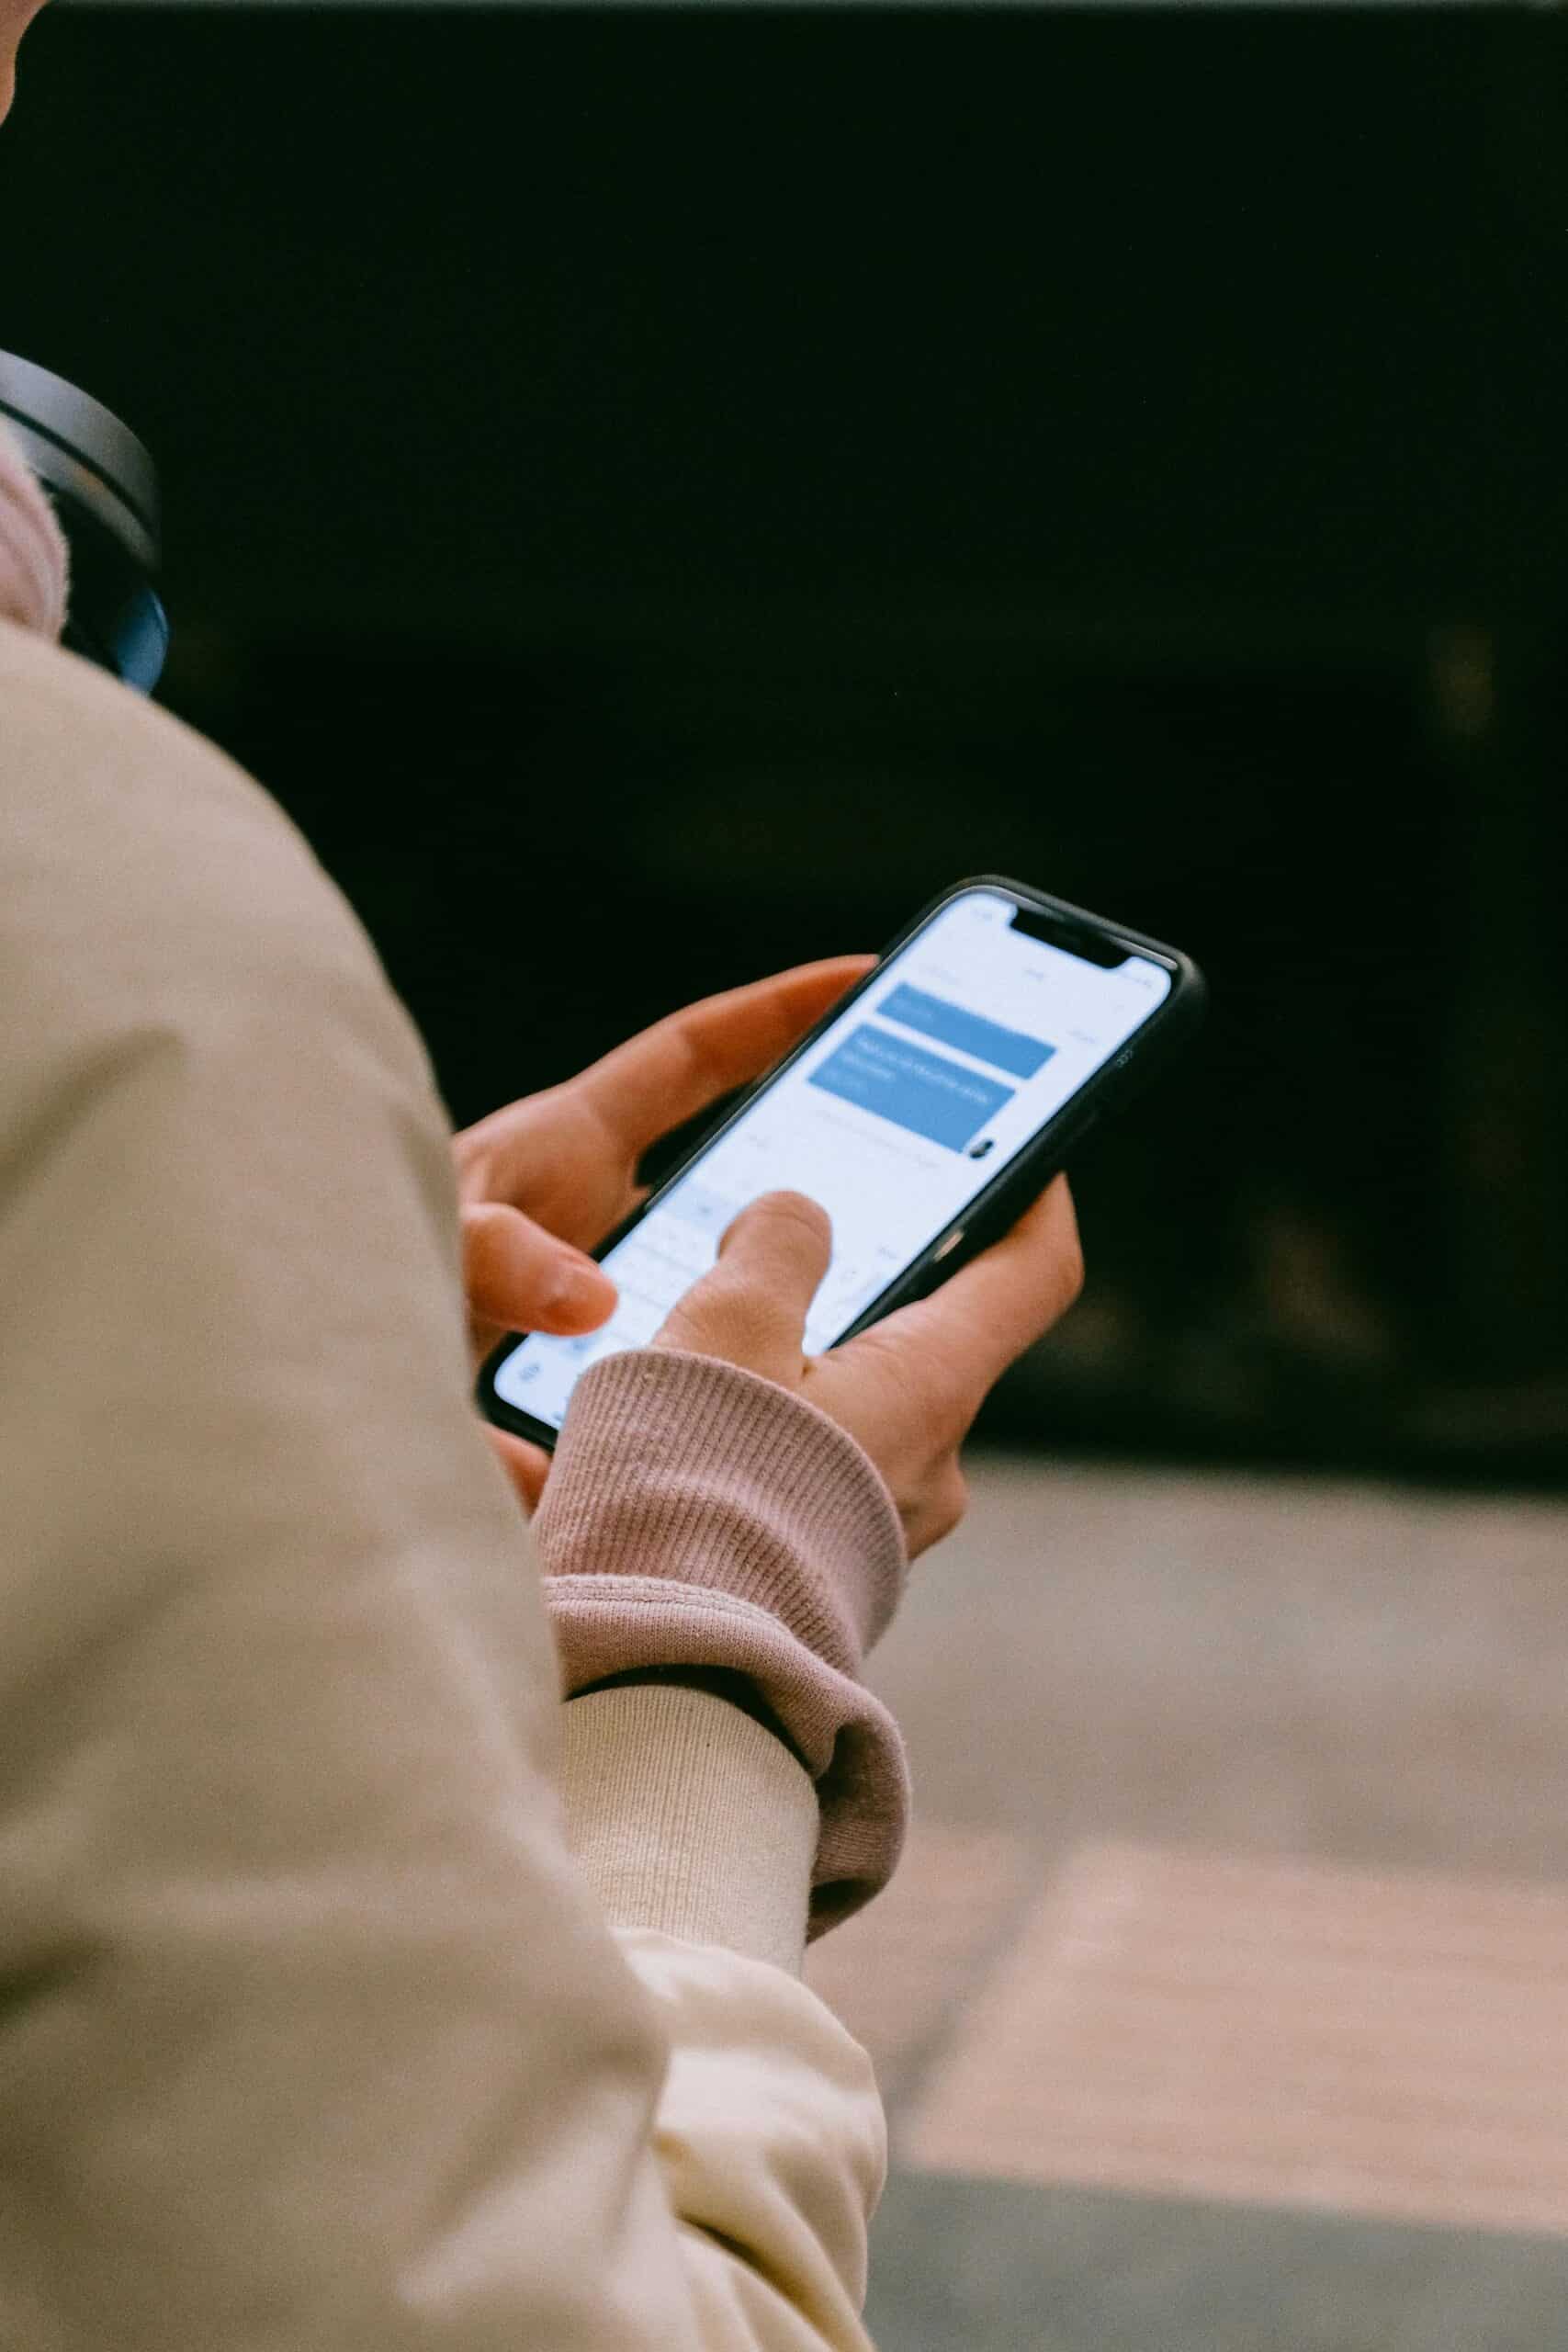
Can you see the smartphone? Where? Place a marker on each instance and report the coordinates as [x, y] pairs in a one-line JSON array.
[[924, 1113]]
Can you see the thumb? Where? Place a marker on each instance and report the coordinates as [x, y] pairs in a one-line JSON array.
[[520, 1278], [749, 1309]]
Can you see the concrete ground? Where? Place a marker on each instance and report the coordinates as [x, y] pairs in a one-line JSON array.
[[1222, 1999]]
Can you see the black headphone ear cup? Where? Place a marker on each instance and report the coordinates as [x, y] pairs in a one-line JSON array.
[[103, 488], [113, 616]]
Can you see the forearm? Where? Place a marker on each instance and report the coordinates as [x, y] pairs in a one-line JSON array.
[[688, 1817], [696, 1829]]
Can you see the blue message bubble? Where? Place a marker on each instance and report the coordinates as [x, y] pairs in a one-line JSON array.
[[1008, 1049], [925, 1092]]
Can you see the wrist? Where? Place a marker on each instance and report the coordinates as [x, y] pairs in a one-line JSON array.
[[700, 1517], [680, 1465]]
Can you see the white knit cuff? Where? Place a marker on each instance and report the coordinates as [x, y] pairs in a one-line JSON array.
[[686, 1815]]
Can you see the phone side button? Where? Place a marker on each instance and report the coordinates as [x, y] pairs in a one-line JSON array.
[[954, 1238]]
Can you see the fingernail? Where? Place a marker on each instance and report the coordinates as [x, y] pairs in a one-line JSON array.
[[578, 1287]]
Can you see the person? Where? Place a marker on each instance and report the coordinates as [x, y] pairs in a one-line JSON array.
[[401, 1908]]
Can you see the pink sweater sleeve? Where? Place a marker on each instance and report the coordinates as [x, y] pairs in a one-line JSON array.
[[697, 1515]]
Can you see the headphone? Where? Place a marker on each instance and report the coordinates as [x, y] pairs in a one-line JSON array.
[[104, 487]]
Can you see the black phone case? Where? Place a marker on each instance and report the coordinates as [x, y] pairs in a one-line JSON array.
[[989, 1215]]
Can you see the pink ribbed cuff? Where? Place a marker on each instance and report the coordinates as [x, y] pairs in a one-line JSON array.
[[696, 1515], [32, 546]]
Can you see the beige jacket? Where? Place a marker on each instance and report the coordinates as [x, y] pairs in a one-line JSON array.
[[353, 1992]]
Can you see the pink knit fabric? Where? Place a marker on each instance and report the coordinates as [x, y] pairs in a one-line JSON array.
[[697, 1515], [32, 548]]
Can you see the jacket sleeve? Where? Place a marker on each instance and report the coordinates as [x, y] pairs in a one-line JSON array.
[[313, 2030]]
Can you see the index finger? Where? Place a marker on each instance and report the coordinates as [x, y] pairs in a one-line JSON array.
[[983, 1319], [653, 1082]]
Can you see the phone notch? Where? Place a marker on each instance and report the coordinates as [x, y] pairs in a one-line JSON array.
[[1053, 931]]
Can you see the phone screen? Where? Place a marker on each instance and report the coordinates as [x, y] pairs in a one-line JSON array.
[[945, 1066]]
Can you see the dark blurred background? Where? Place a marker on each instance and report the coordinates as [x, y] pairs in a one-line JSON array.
[[658, 494]]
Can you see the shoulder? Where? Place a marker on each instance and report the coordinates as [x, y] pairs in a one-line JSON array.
[[106, 787], [147, 875]]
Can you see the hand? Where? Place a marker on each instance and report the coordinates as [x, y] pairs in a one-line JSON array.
[[908, 1388], [542, 1181]]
